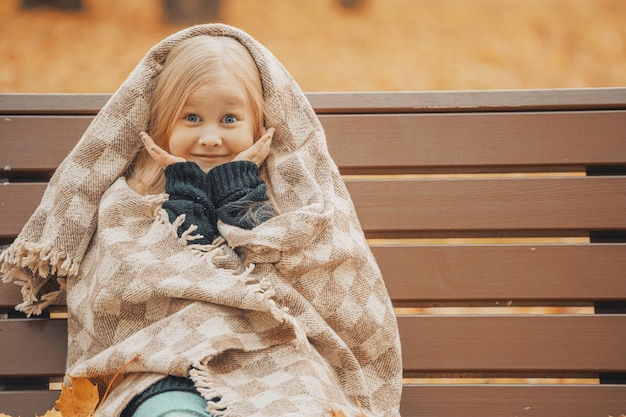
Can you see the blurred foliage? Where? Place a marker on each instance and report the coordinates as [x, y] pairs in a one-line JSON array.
[[372, 45]]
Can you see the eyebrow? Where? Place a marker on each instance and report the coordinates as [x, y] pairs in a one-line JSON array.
[[230, 101], [235, 101]]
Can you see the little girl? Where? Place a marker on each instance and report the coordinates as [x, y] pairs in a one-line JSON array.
[[205, 244], [207, 111]]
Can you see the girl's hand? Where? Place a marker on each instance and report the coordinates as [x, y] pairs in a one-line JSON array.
[[161, 157], [259, 150]]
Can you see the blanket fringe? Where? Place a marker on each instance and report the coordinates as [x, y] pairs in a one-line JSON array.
[[43, 261], [217, 403], [24, 258], [265, 292]]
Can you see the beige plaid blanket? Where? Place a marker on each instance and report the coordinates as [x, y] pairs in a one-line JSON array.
[[291, 318]]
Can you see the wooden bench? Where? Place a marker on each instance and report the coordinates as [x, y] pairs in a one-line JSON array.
[[498, 219]]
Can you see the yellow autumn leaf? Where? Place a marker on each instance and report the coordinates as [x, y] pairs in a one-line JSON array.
[[4, 415], [79, 400]]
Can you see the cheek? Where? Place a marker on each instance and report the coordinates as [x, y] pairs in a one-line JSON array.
[[244, 141], [176, 144]]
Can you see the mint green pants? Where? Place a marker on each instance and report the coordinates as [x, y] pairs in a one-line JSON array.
[[173, 404]]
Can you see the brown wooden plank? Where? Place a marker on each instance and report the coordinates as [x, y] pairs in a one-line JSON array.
[[10, 295], [359, 102], [467, 101], [436, 343], [39, 143], [513, 400], [27, 403], [440, 273], [585, 203], [38, 347], [437, 401], [581, 203], [532, 343], [17, 203], [481, 139], [503, 272], [461, 140], [11, 104]]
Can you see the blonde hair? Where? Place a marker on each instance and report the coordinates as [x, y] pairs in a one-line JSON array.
[[190, 64]]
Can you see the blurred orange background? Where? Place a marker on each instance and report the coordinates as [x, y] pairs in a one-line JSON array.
[[380, 45]]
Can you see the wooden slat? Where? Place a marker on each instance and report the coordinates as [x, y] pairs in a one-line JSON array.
[[425, 141], [436, 343], [10, 295], [482, 139], [582, 203], [438, 401], [503, 272], [440, 273], [513, 400], [27, 403], [38, 143], [534, 343], [39, 347], [468, 101], [12, 104], [368, 102], [585, 203], [431, 343], [17, 203]]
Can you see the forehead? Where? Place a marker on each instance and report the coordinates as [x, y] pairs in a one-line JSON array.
[[223, 89]]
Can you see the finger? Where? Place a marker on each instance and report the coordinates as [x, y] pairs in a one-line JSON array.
[[264, 142], [148, 143], [160, 156], [269, 133]]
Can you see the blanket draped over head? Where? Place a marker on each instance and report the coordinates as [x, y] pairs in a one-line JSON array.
[[291, 318]]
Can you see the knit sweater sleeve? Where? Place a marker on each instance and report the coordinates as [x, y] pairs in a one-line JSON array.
[[188, 189], [240, 194]]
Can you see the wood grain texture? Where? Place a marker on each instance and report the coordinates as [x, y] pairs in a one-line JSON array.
[[27, 403], [39, 143], [534, 343], [477, 139], [513, 400], [368, 102], [38, 347], [535, 204], [18, 201], [586, 203], [433, 343], [503, 272], [409, 140]]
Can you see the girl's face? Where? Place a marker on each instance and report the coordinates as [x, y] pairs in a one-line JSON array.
[[215, 124]]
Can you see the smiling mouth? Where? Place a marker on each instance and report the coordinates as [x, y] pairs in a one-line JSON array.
[[209, 156]]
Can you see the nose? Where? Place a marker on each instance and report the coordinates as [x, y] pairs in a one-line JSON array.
[[210, 137]]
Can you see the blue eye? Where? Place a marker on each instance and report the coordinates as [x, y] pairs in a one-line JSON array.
[[193, 118], [229, 119]]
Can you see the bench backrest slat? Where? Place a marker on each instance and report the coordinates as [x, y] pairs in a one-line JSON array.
[[427, 141], [536, 343], [503, 273], [532, 204], [418, 142], [38, 143], [414, 206]]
